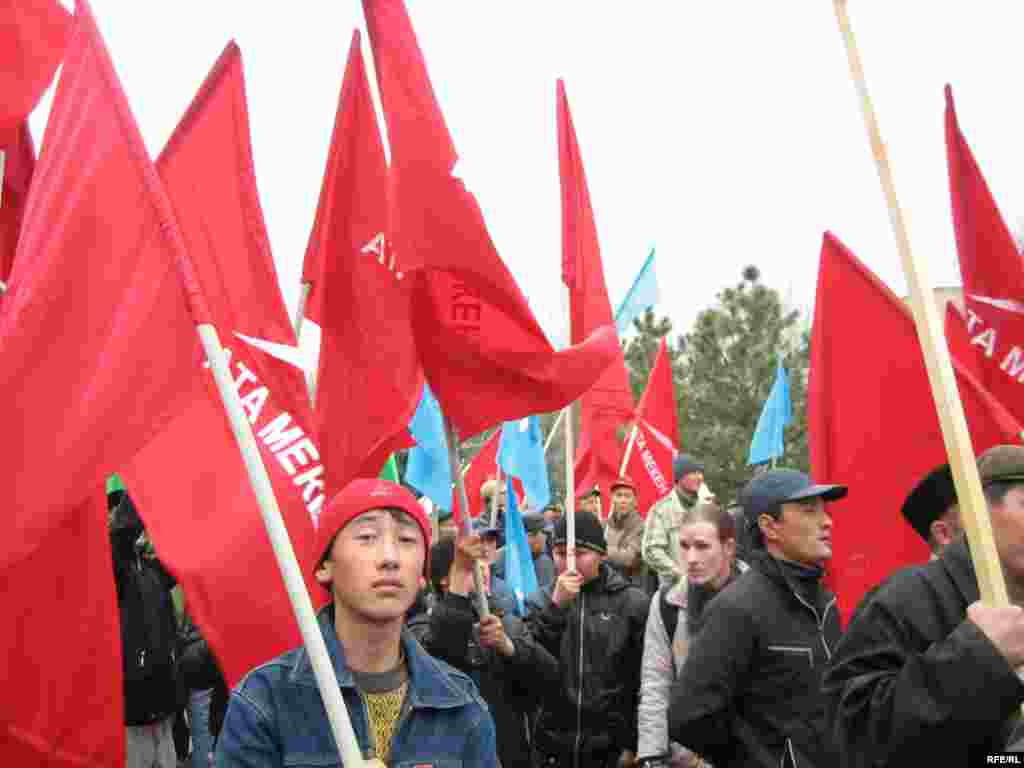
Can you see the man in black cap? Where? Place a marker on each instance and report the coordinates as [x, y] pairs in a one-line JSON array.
[[660, 546], [594, 625], [932, 509], [589, 500], [925, 668], [750, 691]]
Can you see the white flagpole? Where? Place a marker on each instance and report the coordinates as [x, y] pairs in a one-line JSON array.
[[554, 428], [467, 525], [337, 714], [629, 450], [300, 316], [3, 158]]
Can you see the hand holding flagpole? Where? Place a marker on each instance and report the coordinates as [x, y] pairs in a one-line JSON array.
[[936, 355], [467, 525]]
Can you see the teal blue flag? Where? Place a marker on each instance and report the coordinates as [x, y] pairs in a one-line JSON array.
[[641, 296], [777, 413]]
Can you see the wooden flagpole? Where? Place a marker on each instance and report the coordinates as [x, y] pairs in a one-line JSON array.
[[936, 355], [554, 428], [494, 497], [467, 525], [323, 670]]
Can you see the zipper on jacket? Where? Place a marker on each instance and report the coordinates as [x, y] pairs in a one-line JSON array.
[[820, 620], [579, 692]]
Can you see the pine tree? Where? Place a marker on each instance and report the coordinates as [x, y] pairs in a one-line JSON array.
[[727, 372]]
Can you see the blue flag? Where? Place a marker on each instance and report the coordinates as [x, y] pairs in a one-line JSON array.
[[641, 296], [519, 570], [777, 413], [521, 455], [428, 470]]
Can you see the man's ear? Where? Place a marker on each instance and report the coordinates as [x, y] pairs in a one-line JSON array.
[[325, 573], [729, 548], [768, 526]]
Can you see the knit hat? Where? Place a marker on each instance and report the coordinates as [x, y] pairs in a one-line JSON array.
[[683, 465], [360, 496], [929, 500], [589, 533]]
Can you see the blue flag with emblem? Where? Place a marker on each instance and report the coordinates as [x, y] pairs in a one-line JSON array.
[[642, 295], [428, 470], [776, 414], [519, 570], [521, 455]]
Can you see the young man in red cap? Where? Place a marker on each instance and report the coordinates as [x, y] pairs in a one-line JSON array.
[[406, 707], [624, 532]]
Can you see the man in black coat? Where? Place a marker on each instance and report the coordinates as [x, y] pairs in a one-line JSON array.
[[594, 626], [501, 657], [925, 668], [750, 691]]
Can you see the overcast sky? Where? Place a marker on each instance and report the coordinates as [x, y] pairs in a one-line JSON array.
[[722, 133]]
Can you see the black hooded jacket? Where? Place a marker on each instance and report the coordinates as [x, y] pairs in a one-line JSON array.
[[598, 640]]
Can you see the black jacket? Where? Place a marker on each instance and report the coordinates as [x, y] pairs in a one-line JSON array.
[[913, 677], [598, 640], [750, 690], [198, 670], [149, 632], [506, 684]]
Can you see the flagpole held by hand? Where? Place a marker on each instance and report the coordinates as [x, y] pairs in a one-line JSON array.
[[570, 494], [554, 429], [629, 450], [467, 525], [337, 714], [936, 354]]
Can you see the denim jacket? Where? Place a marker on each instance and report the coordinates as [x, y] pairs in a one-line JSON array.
[[277, 719]]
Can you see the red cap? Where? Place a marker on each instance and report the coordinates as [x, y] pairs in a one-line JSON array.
[[624, 481], [360, 496]]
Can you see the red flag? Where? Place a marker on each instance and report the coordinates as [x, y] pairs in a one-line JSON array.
[[959, 342], [97, 348], [203, 516], [33, 34], [992, 270], [483, 352], [483, 466], [609, 403], [370, 380], [62, 704], [657, 438], [872, 421], [19, 162]]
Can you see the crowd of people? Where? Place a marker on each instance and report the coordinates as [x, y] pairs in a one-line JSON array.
[[693, 635]]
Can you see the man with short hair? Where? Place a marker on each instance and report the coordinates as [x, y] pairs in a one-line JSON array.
[[749, 693], [594, 625], [660, 546], [406, 707], [624, 532], [932, 509], [447, 528], [536, 537], [925, 668]]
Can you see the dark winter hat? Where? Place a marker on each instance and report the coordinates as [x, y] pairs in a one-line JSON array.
[[443, 514], [442, 555], [683, 465], [361, 496], [485, 530], [766, 492], [929, 500], [1002, 464], [589, 533], [534, 522]]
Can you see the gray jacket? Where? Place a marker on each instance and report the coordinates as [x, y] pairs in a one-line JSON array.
[[663, 661]]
